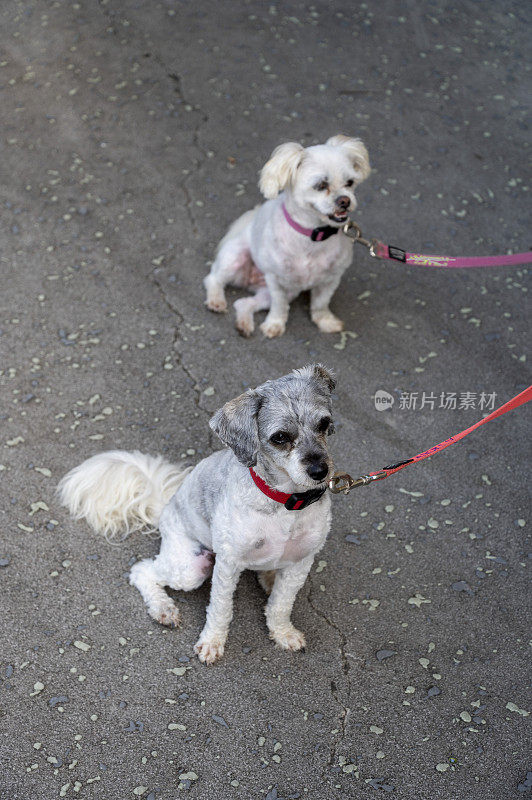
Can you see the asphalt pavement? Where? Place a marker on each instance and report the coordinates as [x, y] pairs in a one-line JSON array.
[[132, 133]]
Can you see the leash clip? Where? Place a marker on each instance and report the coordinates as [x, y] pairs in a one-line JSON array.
[[354, 232], [342, 482]]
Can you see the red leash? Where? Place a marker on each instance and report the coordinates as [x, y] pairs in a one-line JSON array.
[[380, 250], [342, 482]]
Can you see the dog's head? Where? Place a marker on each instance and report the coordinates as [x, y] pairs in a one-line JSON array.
[[321, 178], [283, 424]]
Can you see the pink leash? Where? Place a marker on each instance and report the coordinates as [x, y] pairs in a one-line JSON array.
[[380, 250]]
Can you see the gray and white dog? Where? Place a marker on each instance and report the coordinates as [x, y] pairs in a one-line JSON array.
[[260, 505]]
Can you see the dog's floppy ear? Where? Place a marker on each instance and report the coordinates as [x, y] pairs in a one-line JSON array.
[[280, 170], [236, 425], [356, 152], [324, 376]]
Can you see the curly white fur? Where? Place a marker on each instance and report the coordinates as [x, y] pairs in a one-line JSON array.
[[120, 492], [263, 252]]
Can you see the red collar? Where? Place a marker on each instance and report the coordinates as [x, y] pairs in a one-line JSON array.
[[296, 501]]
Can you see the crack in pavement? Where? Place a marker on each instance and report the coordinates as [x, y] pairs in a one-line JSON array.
[[204, 118], [187, 104], [109, 14], [179, 355], [334, 688]]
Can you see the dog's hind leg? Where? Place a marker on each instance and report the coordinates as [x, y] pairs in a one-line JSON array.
[[182, 564], [233, 263], [161, 607], [245, 307]]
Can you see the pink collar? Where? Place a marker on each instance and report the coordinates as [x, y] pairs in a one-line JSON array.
[[316, 234]]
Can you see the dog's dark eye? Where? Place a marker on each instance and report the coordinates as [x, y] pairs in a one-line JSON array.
[[321, 186], [349, 182], [280, 437], [323, 425]]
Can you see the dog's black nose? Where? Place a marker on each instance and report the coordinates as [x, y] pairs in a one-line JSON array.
[[318, 470], [343, 201]]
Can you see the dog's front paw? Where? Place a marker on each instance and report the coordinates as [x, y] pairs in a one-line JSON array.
[[244, 328], [244, 317], [273, 328], [289, 638], [327, 322], [209, 650]]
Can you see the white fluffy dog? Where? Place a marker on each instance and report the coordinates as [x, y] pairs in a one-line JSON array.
[[260, 505], [292, 243]]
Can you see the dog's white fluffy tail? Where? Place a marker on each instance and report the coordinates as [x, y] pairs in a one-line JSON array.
[[120, 492]]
